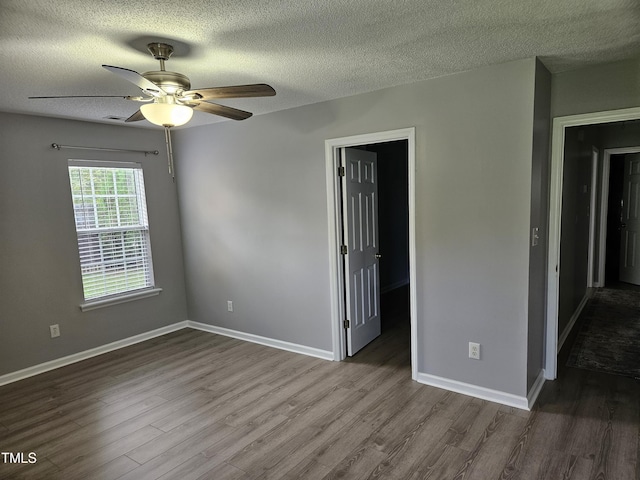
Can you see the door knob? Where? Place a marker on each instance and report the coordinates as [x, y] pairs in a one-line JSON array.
[[378, 255], [623, 225]]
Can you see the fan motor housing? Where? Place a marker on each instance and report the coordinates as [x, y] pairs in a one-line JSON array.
[[170, 82]]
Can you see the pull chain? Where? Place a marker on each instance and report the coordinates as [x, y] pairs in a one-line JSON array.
[[167, 137]]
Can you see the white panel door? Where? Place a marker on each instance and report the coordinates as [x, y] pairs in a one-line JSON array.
[[630, 222], [362, 273]]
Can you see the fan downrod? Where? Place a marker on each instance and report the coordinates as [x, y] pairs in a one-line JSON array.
[[170, 82]]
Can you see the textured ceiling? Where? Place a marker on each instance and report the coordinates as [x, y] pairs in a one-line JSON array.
[[308, 50]]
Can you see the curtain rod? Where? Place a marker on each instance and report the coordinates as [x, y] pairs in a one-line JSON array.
[[146, 152]]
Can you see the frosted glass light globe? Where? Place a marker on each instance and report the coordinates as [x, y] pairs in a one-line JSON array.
[[167, 114]]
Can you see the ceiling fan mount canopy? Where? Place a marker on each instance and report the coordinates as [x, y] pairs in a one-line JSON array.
[[160, 51]]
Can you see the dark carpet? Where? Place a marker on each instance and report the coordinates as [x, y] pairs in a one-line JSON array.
[[609, 336]]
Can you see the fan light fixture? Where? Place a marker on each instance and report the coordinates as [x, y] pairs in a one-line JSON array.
[[167, 114]]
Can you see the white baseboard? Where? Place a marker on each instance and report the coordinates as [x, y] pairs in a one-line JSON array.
[[572, 321], [77, 357], [536, 388], [474, 391], [269, 342], [511, 400]]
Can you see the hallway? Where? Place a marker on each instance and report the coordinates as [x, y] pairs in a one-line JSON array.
[[607, 334]]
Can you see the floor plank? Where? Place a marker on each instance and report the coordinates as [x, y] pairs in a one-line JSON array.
[[100, 460]]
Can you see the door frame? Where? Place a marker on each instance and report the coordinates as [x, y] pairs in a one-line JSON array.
[[604, 207], [560, 124], [336, 268], [595, 153]]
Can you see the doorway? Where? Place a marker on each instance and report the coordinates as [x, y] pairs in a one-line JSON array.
[[334, 151], [393, 231], [560, 126]]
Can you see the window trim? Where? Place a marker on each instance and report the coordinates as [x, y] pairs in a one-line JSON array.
[[120, 298], [127, 296]]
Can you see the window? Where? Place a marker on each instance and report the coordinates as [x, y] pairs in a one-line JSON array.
[[110, 212]]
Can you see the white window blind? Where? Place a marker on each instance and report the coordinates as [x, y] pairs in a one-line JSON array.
[[110, 212]]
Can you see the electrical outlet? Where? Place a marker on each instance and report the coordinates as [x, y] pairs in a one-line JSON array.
[[474, 350], [55, 330], [229, 306]]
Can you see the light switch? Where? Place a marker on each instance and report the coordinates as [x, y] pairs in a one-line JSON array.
[[535, 237]]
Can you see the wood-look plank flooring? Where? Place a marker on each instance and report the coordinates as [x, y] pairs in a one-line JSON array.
[[193, 405]]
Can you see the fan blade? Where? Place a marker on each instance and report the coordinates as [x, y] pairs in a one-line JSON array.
[[137, 79], [237, 91], [89, 96], [136, 117], [221, 110]]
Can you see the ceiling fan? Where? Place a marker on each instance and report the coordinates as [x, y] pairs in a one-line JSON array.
[[169, 100]]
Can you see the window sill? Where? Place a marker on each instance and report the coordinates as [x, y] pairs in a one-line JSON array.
[[115, 300]]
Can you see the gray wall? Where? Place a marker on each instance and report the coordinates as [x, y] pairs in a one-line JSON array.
[[598, 88], [540, 220], [574, 244], [620, 134], [254, 216], [40, 280]]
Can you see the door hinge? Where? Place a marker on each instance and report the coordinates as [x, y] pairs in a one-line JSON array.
[[343, 250], [346, 323], [341, 172]]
